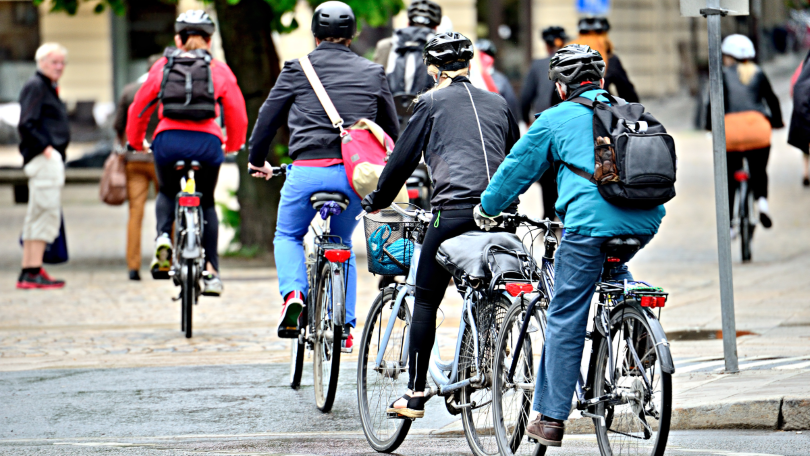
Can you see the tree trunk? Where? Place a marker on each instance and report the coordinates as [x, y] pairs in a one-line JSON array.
[[248, 45]]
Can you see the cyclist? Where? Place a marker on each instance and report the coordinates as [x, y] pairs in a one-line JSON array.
[[564, 133], [487, 54], [593, 32], [185, 139], [464, 134], [752, 109], [401, 54], [538, 95], [358, 89]]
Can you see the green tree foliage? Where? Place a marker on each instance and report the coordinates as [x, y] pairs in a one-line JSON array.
[[372, 12]]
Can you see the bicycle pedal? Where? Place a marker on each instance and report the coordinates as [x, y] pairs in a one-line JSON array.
[[397, 416], [160, 274]]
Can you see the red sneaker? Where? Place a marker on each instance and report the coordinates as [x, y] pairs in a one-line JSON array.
[[293, 306], [40, 281], [347, 345]]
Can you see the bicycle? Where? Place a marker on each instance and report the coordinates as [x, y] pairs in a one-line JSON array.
[[628, 391], [465, 382], [326, 259], [744, 220]]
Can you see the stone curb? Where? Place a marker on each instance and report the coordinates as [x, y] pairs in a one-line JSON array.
[[785, 413]]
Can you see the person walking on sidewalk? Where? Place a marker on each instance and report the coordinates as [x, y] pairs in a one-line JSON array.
[[539, 94], [799, 133], [189, 131], [44, 134], [487, 53], [140, 171], [564, 134], [752, 110], [358, 88]]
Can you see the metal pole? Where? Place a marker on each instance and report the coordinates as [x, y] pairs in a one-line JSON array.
[[721, 190]]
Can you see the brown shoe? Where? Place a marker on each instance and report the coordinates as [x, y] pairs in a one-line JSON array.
[[549, 433]]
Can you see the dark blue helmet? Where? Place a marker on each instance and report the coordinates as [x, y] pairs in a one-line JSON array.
[[333, 20]]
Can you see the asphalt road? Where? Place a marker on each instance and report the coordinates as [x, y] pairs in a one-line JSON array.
[[248, 409]]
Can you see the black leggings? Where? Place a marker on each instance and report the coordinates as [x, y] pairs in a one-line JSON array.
[[206, 182], [757, 167], [431, 283]]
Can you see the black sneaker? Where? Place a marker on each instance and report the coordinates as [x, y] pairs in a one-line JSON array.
[[134, 275], [806, 182], [41, 280]]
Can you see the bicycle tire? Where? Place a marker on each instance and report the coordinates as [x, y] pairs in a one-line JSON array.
[[381, 387], [188, 295], [478, 422], [328, 337], [623, 321], [512, 405], [297, 351], [745, 224]]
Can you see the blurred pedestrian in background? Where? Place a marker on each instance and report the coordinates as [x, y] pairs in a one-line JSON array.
[[44, 134], [799, 134], [539, 93], [752, 110], [593, 32], [487, 55], [140, 171]]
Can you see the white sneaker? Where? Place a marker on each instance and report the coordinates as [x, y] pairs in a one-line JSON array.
[[764, 215], [212, 285], [733, 233], [162, 261]]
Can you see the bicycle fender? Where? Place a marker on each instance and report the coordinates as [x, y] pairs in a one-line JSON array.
[[191, 250], [662, 346], [338, 308]]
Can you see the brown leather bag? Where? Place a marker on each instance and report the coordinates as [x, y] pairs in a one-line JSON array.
[[747, 130], [113, 188]]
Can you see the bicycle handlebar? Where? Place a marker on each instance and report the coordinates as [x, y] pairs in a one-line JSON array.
[[276, 171], [516, 219]]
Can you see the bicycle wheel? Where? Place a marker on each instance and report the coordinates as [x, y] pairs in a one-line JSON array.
[[746, 230], [297, 350], [638, 422], [477, 419], [377, 387], [328, 336], [512, 400], [189, 294]]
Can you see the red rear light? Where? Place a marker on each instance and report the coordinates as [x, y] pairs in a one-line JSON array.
[[338, 256], [740, 175], [413, 193], [653, 301], [515, 289], [189, 201], [613, 260]]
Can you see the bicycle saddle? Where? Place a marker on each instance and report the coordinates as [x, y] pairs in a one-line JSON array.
[[621, 246], [321, 198]]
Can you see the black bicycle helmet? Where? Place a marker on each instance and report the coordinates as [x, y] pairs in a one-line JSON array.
[[551, 34], [576, 63], [333, 20], [194, 22], [487, 47], [449, 51], [425, 12], [598, 24]]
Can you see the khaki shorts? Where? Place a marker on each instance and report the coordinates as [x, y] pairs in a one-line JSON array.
[[46, 177]]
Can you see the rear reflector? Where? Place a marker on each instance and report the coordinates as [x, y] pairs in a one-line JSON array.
[[515, 289], [740, 175], [413, 193], [189, 201], [613, 260], [338, 256], [653, 301]]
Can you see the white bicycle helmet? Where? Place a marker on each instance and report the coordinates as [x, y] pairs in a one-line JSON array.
[[739, 47]]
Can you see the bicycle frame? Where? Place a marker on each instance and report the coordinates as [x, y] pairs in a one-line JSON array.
[[320, 231]]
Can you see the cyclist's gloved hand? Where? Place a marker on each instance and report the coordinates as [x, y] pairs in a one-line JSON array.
[[483, 220], [368, 203]]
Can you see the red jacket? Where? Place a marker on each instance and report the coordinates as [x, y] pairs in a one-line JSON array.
[[225, 90]]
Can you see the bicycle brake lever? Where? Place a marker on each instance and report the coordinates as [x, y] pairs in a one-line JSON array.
[[361, 215]]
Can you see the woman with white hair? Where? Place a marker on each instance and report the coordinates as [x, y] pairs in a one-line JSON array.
[[44, 135]]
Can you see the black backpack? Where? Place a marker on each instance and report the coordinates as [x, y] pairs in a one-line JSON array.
[[187, 88], [408, 45], [634, 156]]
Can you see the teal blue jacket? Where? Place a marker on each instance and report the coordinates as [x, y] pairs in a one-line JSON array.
[[565, 133]]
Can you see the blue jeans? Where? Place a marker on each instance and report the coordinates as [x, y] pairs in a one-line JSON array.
[[577, 269], [294, 216]]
